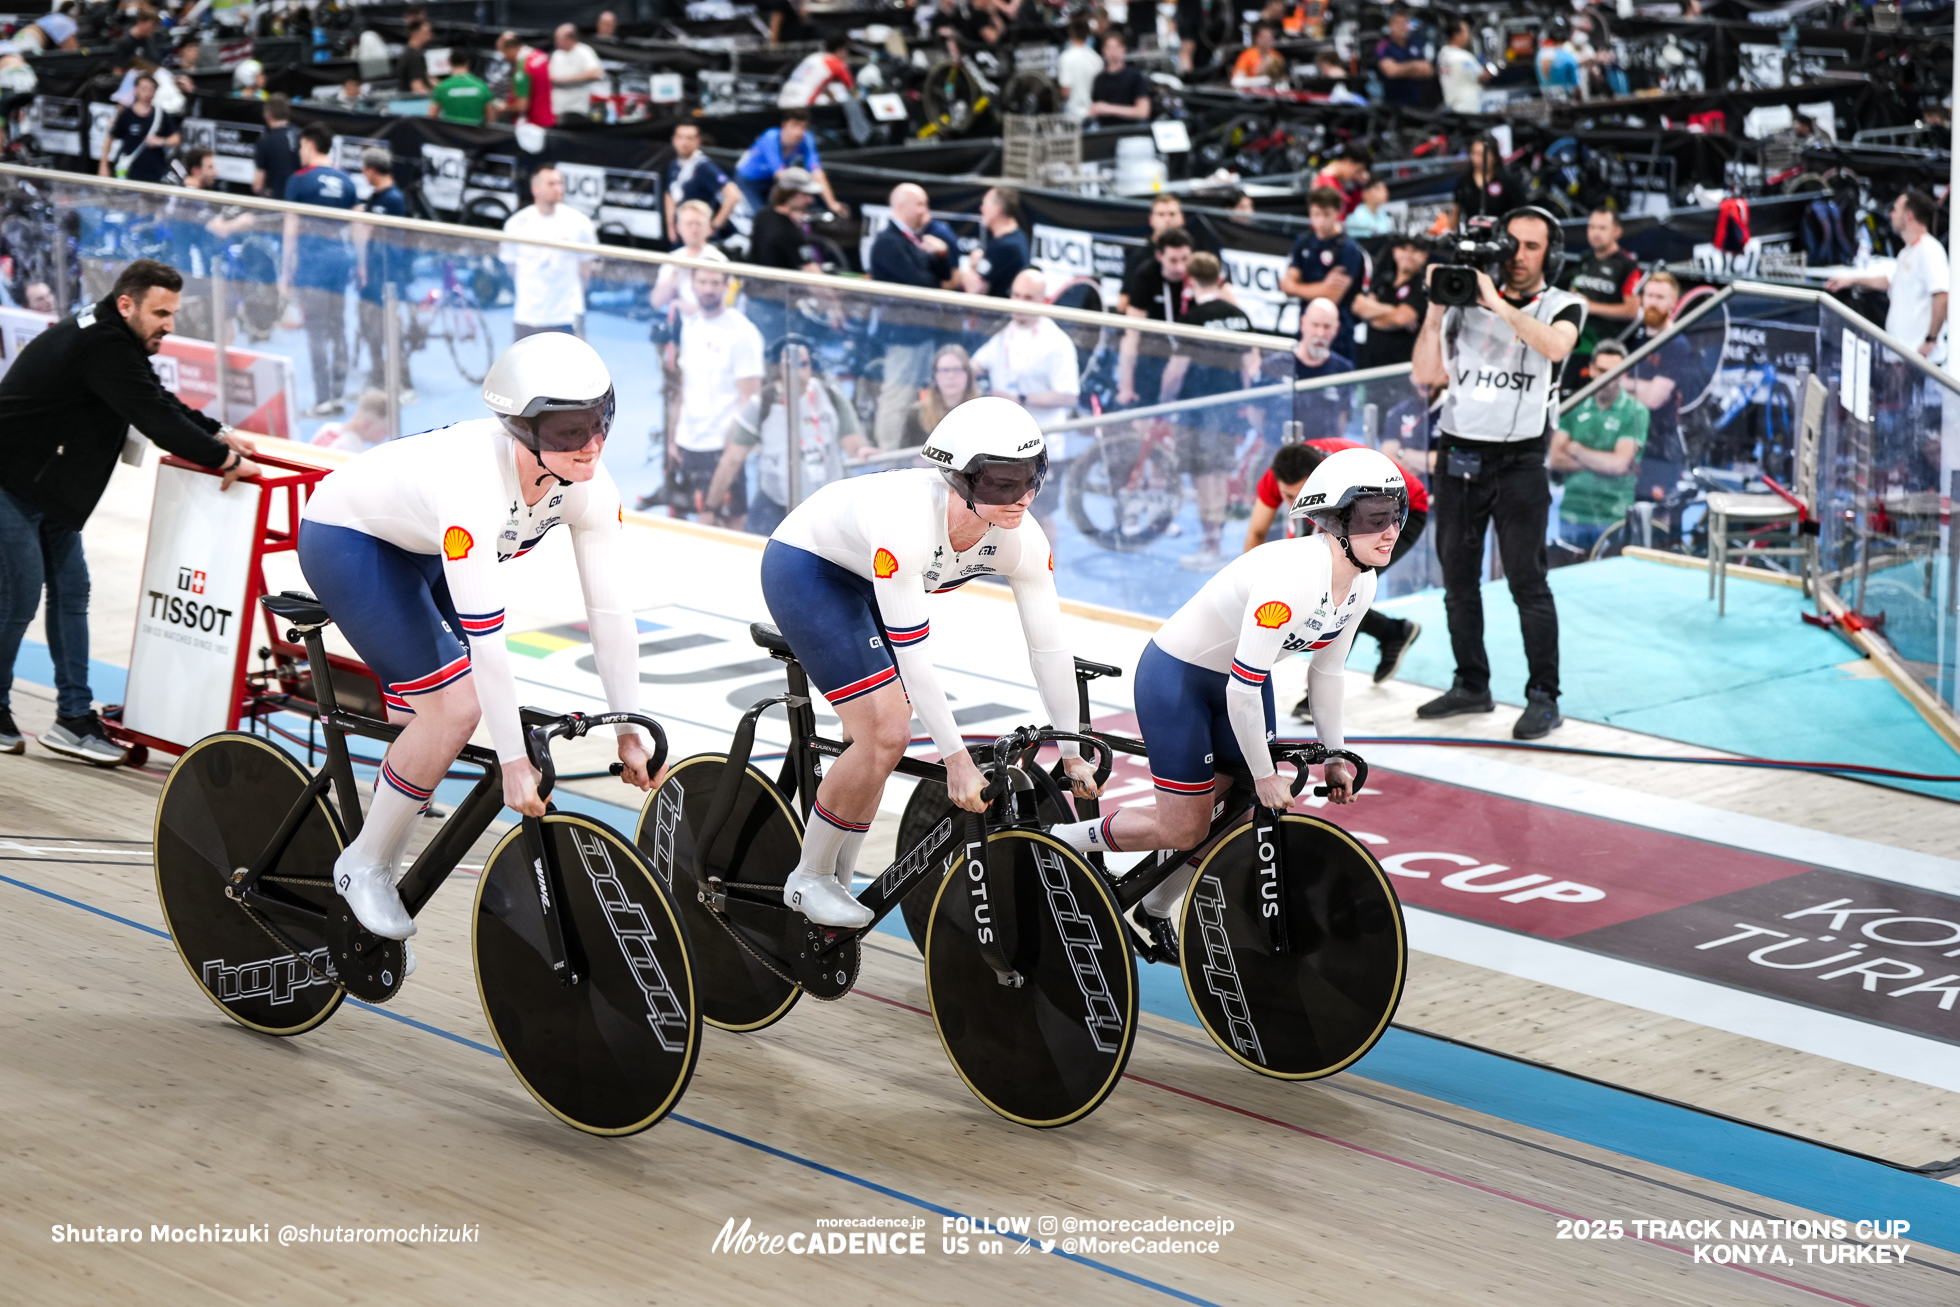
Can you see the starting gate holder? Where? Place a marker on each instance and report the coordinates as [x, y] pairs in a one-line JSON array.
[[203, 576]]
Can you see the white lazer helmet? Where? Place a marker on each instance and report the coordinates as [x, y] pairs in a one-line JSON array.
[[1354, 492], [990, 451], [548, 372]]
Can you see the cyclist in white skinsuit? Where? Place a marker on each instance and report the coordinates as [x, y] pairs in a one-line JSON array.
[[402, 547], [1204, 693], [846, 577]]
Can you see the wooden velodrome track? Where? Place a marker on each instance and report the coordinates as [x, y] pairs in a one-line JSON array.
[[130, 1102]]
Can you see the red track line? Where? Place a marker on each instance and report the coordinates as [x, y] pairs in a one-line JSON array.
[[1412, 1166]]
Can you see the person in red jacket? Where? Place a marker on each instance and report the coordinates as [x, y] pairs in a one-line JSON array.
[[1280, 486]]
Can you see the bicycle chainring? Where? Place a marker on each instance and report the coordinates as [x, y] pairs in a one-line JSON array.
[[366, 965]]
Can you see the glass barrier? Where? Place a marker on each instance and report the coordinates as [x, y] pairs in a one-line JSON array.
[[349, 333], [1725, 399]]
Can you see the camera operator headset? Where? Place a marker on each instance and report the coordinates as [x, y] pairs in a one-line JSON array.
[[1498, 353]]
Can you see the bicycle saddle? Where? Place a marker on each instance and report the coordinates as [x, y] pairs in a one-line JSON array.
[[768, 637], [299, 609]]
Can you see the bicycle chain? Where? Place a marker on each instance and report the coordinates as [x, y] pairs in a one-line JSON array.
[[302, 954], [751, 949]]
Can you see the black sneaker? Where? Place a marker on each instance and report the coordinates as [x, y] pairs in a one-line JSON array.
[[1457, 699], [10, 740], [1539, 718], [1303, 711], [1394, 648]]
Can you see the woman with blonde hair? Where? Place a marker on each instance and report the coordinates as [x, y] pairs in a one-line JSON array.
[[954, 381]]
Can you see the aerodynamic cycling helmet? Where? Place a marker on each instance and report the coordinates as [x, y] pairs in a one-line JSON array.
[[990, 451], [1354, 492], [547, 373]]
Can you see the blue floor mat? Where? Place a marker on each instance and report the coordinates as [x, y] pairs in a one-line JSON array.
[[1641, 647]]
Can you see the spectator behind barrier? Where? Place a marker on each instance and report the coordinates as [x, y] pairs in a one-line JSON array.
[[1322, 413], [1597, 446], [1461, 73], [575, 70], [1157, 292], [1326, 264], [908, 252], [550, 283], [1166, 214], [675, 285], [67, 405], [140, 138], [991, 269], [824, 77], [1487, 190], [828, 433], [461, 97], [1208, 437], [1260, 66], [791, 145], [1608, 279], [381, 260], [317, 263], [1391, 308], [1076, 70], [692, 175], [367, 428], [412, 67], [1367, 221], [954, 381], [1661, 381], [1120, 93], [530, 83], [1399, 60], [276, 156], [718, 368], [1031, 360]]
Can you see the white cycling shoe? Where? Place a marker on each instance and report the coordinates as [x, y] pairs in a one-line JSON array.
[[824, 901], [369, 888]]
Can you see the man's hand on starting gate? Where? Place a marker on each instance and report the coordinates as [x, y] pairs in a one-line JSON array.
[[245, 467]]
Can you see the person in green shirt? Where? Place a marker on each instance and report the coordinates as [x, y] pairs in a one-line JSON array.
[[460, 97], [1598, 447]]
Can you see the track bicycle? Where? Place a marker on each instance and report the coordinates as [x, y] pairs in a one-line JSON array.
[[1290, 938], [1034, 989], [582, 960], [452, 312]]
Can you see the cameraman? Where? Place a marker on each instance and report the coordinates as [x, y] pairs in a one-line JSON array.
[[1499, 357]]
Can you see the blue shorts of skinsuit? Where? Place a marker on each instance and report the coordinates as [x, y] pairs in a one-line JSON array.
[[830, 618], [1181, 715], [394, 608]]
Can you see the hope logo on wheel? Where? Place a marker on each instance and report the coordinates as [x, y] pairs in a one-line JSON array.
[[883, 565], [1272, 615], [457, 543]]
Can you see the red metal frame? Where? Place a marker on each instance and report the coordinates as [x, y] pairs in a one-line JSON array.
[[295, 481]]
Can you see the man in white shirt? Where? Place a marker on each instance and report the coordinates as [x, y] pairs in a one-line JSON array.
[[719, 360], [574, 69], [1918, 284], [1077, 68], [1461, 73], [550, 283], [1031, 360]]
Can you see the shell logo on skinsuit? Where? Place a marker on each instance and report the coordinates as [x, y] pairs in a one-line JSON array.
[[457, 543], [1051, 560], [1272, 615], [883, 565]]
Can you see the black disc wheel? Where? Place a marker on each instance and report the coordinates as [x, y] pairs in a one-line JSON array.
[[1124, 493], [612, 1053], [1315, 1006], [761, 842], [220, 807], [927, 807], [1050, 1050]]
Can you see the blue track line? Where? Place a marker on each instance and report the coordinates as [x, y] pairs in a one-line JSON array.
[[730, 1135]]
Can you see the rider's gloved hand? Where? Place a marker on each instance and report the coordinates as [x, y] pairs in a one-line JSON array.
[[1275, 792], [521, 787], [964, 782], [1082, 771], [1339, 777]]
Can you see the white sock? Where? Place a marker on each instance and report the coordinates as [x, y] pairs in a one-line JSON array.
[[824, 838], [385, 832], [1163, 901], [1090, 836], [847, 858]]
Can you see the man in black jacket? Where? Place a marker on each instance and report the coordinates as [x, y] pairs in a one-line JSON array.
[[66, 406]]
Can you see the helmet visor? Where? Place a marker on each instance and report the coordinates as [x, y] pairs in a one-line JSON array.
[[1001, 481], [1374, 514], [561, 429]]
